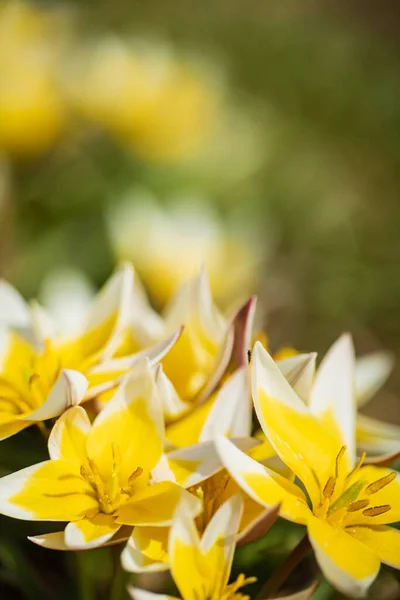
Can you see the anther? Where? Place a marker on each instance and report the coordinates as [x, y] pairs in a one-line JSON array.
[[374, 511], [380, 483], [86, 474], [358, 505], [93, 466], [136, 473], [329, 487], [338, 460]]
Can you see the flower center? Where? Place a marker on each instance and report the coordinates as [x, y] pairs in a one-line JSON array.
[[110, 494], [352, 497]]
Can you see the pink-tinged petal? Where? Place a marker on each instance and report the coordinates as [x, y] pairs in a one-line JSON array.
[[146, 550], [48, 491], [332, 397], [372, 371], [68, 391], [259, 528], [231, 411], [263, 485], [385, 460], [299, 372], [243, 324], [348, 564], [14, 311], [90, 533], [305, 594], [138, 594], [67, 440]]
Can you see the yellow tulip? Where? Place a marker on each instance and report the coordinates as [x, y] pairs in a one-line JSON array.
[[201, 567], [349, 506], [32, 109], [101, 476]]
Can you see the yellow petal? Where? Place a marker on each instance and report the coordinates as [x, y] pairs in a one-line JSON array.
[[349, 565], [377, 437], [131, 421], [137, 594], [187, 430], [299, 439], [49, 491], [387, 495], [14, 310], [90, 533], [146, 550], [155, 505], [332, 397], [189, 566], [262, 484], [219, 540], [67, 439], [383, 540]]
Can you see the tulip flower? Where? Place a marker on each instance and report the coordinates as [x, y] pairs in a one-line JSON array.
[[201, 567], [348, 507], [101, 476]]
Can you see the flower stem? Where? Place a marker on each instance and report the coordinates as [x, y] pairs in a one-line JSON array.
[[284, 570]]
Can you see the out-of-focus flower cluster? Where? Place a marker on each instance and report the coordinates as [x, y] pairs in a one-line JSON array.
[[181, 436], [160, 105]]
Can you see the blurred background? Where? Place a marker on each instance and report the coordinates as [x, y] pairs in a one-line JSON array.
[[261, 139]]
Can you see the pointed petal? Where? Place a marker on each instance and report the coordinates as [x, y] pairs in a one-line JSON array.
[[388, 494], [219, 540], [348, 564], [377, 437], [67, 440], [68, 390], [305, 594], [52, 541], [243, 324], [299, 371], [146, 550], [385, 460], [332, 396], [173, 406], [297, 436], [198, 462], [231, 410], [138, 594], [382, 540], [133, 421], [14, 310], [259, 527], [155, 505], [90, 533], [43, 324], [186, 430], [110, 314], [372, 372], [49, 491], [262, 484], [188, 564]]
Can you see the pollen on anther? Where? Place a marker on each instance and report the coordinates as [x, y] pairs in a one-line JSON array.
[[329, 487], [380, 483], [374, 511], [358, 505]]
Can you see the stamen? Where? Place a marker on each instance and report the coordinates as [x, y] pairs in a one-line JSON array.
[[358, 505], [93, 466], [349, 496], [329, 487], [116, 455], [87, 474], [136, 473], [374, 511], [358, 465], [380, 483], [338, 459]]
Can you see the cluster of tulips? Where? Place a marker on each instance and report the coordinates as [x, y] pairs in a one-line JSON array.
[[181, 437]]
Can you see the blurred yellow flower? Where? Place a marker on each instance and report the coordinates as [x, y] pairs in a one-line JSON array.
[[169, 244], [32, 110], [161, 106]]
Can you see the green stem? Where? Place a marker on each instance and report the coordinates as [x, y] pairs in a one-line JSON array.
[[120, 579], [284, 570]]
